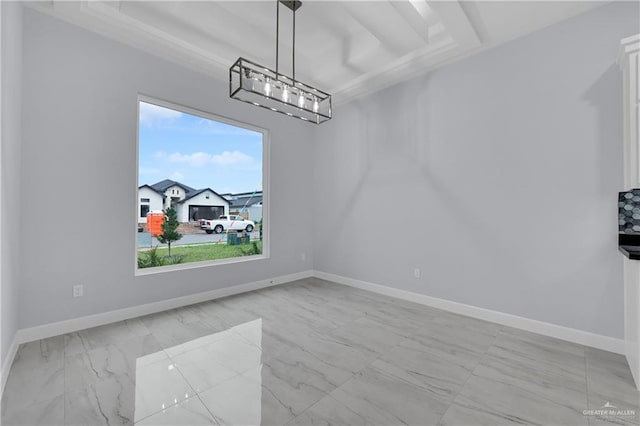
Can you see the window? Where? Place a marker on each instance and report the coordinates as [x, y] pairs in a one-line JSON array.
[[193, 157]]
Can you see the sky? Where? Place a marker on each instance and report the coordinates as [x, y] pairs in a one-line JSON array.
[[197, 152]]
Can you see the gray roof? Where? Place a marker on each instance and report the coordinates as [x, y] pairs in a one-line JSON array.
[[249, 201], [168, 183], [242, 194], [243, 198], [152, 188], [198, 192]]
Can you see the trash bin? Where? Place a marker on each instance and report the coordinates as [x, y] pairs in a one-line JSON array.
[[232, 239]]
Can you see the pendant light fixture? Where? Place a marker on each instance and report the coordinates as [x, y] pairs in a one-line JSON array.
[[258, 85]]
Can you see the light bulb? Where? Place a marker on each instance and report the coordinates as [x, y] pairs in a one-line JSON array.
[[285, 94], [301, 100], [249, 79], [267, 88], [316, 106]]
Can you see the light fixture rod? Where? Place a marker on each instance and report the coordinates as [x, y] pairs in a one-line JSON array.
[[277, 33], [293, 59], [293, 5]]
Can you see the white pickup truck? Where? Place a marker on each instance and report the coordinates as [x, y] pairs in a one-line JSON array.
[[228, 223]]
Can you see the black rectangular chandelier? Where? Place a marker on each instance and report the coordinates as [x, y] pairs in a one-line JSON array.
[[258, 85]]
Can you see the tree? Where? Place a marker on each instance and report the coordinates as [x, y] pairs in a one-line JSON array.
[[170, 228]]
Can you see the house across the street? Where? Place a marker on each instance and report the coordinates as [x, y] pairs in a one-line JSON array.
[[246, 204], [191, 204]]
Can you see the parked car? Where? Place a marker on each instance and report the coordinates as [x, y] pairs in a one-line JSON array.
[[228, 223]]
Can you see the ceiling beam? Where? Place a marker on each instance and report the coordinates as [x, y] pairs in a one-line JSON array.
[[413, 17], [394, 35], [457, 23]]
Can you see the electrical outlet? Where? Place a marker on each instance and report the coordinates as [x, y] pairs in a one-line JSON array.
[[303, 256], [78, 290], [416, 273]]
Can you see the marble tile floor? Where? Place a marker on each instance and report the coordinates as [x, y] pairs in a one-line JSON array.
[[314, 353]]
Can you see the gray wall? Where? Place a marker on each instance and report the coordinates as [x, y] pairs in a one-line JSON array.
[[11, 61], [496, 175], [78, 175]]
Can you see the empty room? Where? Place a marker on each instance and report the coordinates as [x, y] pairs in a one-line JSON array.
[[386, 212]]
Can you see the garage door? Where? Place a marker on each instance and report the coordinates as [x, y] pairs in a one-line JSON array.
[[205, 212]]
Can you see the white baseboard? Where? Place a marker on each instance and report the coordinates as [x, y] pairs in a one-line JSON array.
[[31, 334], [69, 326], [6, 365], [581, 337]]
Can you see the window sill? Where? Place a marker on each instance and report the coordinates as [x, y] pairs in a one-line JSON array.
[[195, 265]]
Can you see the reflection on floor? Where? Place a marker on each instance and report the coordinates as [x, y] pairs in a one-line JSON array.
[[313, 352]]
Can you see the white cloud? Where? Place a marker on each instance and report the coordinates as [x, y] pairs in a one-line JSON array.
[[150, 114], [176, 176], [199, 159]]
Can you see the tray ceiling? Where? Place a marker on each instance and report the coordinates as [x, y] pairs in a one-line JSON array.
[[348, 48]]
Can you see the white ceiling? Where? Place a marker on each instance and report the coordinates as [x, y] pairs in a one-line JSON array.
[[347, 48]]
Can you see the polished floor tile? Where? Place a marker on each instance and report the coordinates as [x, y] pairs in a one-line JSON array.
[[244, 401], [611, 390], [367, 336], [326, 412], [87, 368], [159, 385], [337, 352], [441, 378], [299, 379], [191, 411], [485, 401], [48, 412], [313, 352], [385, 400], [97, 337], [30, 386], [40, 352], [109, 402], [200, 370]]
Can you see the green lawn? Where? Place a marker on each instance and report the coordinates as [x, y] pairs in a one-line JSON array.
[[200, 252]]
